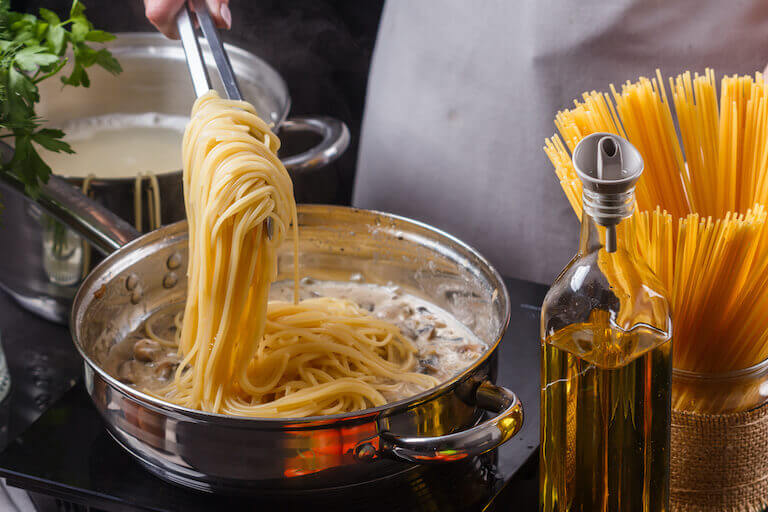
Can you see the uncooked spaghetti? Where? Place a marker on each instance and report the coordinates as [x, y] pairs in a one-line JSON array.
[[701, 220]]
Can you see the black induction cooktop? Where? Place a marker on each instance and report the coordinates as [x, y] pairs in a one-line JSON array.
[[54, 443]]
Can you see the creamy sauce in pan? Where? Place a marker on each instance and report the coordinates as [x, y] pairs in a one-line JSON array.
[[445, 346]]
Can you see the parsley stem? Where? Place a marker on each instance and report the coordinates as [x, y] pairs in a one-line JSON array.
[[36, 80]]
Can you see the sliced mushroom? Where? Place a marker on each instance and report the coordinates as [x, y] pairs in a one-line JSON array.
[[467, 348], [427, 332], [165, 369], [435, 320], [429, 365], [146, 350]]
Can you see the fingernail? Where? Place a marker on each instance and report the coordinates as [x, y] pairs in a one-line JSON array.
[[226, 15]]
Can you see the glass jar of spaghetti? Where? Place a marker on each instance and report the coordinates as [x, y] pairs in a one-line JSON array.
[[719, 440], [720, 393]]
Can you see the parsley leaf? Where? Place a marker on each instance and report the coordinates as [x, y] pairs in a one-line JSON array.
[[50, 139], [56, 39], [99, 36], [33, 57], [32, 49], [51, 17]]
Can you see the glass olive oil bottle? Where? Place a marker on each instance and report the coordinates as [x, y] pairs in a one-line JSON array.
[[606, 356]]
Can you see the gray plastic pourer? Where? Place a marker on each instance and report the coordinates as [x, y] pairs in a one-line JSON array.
[[608, 166]]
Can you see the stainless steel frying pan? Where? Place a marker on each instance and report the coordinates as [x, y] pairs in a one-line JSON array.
[[230, 454]]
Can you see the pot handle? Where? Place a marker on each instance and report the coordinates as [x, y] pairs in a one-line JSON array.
[[335, 140], [468, 443], [89, 219]]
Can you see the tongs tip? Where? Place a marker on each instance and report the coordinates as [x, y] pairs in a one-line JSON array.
[[194, 54]]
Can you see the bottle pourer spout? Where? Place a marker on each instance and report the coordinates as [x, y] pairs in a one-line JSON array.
[[609, 162], [609, 167]]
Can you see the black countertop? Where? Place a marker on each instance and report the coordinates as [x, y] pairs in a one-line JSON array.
[[66, 452]]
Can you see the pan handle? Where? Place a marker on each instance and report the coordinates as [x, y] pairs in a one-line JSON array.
[[334, 141], [102, 228], [467, 443]]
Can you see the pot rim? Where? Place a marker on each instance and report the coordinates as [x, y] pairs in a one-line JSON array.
[[164, 407], [102, 181], [162, 47]]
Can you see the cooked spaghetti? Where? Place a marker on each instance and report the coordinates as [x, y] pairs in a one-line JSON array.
[[241, 355], [701, 220]]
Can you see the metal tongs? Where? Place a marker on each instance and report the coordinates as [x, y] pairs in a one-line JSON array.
[[196, 63]]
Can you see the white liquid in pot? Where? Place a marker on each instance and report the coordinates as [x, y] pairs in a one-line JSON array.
[[120, 146]]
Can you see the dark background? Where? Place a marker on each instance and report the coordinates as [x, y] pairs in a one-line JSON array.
[[322, 48]]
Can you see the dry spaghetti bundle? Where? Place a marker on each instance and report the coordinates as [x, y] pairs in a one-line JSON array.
[[701, 220]]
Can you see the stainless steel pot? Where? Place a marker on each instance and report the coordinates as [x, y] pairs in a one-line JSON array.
[[155, 78], [222, 453]]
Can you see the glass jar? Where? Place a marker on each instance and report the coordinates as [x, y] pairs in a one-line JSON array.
[[63, 252], [719, 427], [720, 393]]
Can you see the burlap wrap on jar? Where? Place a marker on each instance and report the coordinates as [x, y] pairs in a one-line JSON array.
[[719, 462]]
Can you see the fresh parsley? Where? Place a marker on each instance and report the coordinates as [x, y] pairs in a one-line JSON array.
[[32, 49]]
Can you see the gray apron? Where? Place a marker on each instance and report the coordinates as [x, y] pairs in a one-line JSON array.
[[462, 94]]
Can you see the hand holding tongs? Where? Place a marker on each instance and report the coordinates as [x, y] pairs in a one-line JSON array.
[[195, 61], [197, 69]]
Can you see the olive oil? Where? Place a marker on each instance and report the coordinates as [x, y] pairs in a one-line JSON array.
[[605, 356], [605, 406]]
